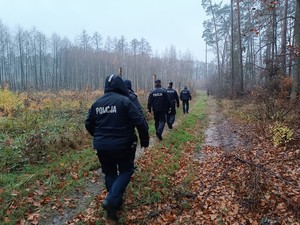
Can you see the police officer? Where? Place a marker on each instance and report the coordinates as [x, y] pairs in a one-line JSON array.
[[185, 96], [158, 101], [174, 100], [111, 121], [134, 98]]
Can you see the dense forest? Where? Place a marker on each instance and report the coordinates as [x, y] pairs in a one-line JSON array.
[[256, 43]]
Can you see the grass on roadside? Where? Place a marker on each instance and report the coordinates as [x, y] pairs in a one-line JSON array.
[[160, 167]]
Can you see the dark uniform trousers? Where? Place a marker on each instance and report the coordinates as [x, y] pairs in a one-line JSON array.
[[171, 116], [160, 121], [116, 183], [185, 106]]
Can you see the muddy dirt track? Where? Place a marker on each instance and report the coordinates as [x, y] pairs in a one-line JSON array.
[[222, 131]]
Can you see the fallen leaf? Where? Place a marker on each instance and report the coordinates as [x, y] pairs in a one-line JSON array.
[[6, 220]]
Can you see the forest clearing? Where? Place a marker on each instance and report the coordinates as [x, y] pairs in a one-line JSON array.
[[217, 166]]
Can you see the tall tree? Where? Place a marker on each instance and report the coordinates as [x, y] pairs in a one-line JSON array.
[[211, 9], [20, 38], [55, 44], [232, 48], [297, 45], [134, 46], [42, 51], [240, 46], [85, 40], [283, 37], [97, 41]]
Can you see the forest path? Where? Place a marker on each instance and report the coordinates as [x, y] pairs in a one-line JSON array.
[[92, 188], [220, 132]]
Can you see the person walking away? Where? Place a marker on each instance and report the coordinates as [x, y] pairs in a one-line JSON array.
[[134, 98], [174, 101], [185, 97], [111, 121], [158, 101]]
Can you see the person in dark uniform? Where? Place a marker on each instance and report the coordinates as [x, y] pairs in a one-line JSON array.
[[185, 97], [111, 121], [174, 101], [134, 98], [158, 101]]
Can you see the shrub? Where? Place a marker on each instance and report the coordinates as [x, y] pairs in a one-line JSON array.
[[281, 134], [274, 102], [9, 101]]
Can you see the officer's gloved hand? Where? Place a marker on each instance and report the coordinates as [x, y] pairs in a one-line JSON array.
[[177, 105]]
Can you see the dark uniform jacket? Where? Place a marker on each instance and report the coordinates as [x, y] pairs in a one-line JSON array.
[[112, 118], [173, 96], [185, 95], [158, 100], [134, 98]]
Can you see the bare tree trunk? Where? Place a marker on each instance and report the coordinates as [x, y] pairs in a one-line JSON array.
[[153, 78], [21, 53], [41, 42], [232, 49], [283, 37], [240, 47], [217, 43], [290, 61], [297, 44], [274, 30], [206, 85]]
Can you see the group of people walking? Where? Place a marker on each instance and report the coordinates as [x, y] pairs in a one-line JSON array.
[[163, 103], [112, 120]]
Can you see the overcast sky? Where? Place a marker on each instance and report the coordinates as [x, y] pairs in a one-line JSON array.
[[161, 22]]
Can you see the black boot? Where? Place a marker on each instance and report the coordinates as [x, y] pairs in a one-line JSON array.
[[111, 211], [159, 136]]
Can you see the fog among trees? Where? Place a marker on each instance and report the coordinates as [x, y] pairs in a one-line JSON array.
[[29, 60]]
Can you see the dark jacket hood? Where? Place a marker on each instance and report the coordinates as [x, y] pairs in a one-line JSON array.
[[114, 83], [128, 84]]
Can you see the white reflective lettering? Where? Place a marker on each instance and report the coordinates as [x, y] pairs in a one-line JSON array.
[[106, 109]]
